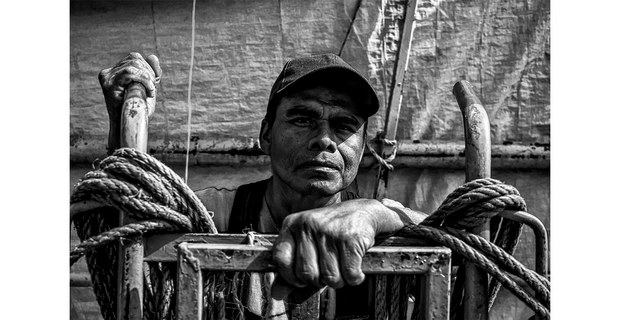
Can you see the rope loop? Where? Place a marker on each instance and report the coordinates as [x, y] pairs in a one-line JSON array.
[[474, 203], [384, 162]]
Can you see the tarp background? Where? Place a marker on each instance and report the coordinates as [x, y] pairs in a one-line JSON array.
[[501, 47]]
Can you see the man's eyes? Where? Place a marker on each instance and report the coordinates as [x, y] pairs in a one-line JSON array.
[[302, 122], [336, 125], [345, 127]]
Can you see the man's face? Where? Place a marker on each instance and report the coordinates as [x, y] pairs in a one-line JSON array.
[[316, 141]]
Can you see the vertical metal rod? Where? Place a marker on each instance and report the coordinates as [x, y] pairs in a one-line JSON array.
[[477, 165], [438, 292], [134, 134], [189, 282], [396, 94]]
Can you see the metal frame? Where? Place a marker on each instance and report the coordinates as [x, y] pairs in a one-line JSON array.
[[433, 263], [230, 252]]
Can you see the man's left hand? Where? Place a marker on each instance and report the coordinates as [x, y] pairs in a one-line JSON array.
[[324, 246]]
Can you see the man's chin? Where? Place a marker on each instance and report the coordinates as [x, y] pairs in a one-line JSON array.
[[323, 188]]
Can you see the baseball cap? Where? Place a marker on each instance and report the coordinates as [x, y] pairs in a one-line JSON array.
[[328, 68]]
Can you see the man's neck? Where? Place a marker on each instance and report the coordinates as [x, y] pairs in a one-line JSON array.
[[282, 200]]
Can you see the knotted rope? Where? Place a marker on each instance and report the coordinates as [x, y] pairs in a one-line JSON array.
[[387, 162], [150, 192], [141, 186], [468, 206]]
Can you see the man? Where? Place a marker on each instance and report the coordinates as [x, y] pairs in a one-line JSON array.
[[314, 131]]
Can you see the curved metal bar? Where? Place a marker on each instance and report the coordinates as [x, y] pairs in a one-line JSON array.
[[540, 233], [477, 165]]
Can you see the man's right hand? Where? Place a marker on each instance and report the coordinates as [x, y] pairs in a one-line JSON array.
[[114, 81], [133, 68]]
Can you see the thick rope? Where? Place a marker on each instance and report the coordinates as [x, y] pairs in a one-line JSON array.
[[150, 191], [142, 187], [477, 258], [473, 204], [499, 256]]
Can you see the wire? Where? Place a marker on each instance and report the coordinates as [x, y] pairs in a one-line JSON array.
[[189, 92]]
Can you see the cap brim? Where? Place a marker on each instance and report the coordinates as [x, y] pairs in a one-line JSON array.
[[346, 73]]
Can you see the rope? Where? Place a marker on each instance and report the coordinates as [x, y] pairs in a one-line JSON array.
[[499, 256], [386, 163], [461, 248], [470, 205], [144, 188], [148, 190]]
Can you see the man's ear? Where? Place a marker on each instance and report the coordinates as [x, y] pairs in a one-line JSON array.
[[265, 137]]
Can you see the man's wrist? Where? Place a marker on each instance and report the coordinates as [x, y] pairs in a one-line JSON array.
[[386, 221]]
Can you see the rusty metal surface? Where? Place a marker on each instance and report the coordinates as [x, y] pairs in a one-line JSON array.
[[133, 134], [163, 247], [257, 258], [433, 263], [477, 165], [438, 291], [189, 282], [423, 154], [131, 283]]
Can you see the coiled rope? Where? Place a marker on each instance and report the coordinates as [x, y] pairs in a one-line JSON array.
[[141, 186]]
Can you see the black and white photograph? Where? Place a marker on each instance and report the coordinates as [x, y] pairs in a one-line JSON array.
[[305, 159], [310, 159]]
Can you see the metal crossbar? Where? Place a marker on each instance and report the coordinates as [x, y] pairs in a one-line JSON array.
[[195, 253]]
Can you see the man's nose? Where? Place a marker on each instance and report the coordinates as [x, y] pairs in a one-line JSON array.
[[322, 139]]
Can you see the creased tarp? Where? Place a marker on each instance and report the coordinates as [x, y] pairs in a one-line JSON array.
[[501, 47]]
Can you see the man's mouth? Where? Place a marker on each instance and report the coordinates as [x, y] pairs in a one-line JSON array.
[[316, 164]]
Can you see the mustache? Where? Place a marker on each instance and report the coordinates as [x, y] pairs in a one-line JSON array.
[[320, 163]]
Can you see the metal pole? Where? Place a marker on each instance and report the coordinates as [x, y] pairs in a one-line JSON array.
[[477, 165], [396, 97], [134, 134]]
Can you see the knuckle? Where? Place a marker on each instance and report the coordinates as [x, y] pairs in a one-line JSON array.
[[103, 75], [307, 275], [279, 259], [332, 280], [354, 277], [134, 55]]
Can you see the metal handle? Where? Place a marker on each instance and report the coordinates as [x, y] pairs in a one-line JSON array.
[[477, 165], [135, 118]]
